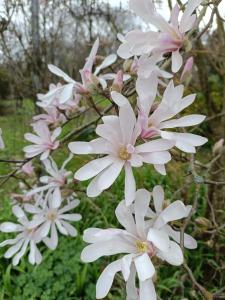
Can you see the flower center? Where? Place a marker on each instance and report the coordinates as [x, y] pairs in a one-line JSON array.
[[51, 216], [142, 246], [124, 154]]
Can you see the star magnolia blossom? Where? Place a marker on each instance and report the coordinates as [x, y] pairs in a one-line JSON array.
[[118, 141], [26, 238], [57, 179], [52, 117], [2, 145], [90, 79], [52, 216], [28, 168], [52, 99], [171, 38], [44, 141], [141, 242], [155, 124]]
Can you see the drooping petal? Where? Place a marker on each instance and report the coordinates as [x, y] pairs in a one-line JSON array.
[[177, 61], [141, 205], [105, 280], [147, 290], [130, 185], [125, 217], [144, 267], [174, 255], [158, 198]]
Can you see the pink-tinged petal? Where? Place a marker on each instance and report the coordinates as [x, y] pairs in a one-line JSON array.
[[187, 69], [144, 267], [174, 255], [55, 70], [130, 185], [158, 198], [93, 168], [157, 157], [56, 133], [159, 238], [189, 241], [33, 138], [185, 121], [127, 122], [141, 205], [45, 155], [174, 16], [108, 133], [147, 290], [177, 61], [91, 58], [36, 221], [110, 174], [105, 280], [187, 20], [52, 242], [155, 146], [125, 217], [119, 99], [106, 248], [160, 169], [80, 147]]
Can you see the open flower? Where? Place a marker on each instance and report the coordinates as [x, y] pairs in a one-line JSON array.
[[52, 117], [118, 142], [44, 141], [139, 241], [28, 168], [156, 123], [26, 238], [171, 37], [58, 179], [52, 216], [2, 145]]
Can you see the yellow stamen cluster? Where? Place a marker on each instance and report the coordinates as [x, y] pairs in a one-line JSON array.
[[123, 153], [142, 246]]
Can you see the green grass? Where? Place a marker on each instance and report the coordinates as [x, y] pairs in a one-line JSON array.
[[62, 276]]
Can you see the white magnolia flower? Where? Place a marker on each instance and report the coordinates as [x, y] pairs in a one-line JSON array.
[[156, 123], [2, 145], [44, 141], [172, 35], [26, 238], [160, 218], [140, 243], [90, 79], [58, 178], [52, 117], [118, 142], [52, 216]]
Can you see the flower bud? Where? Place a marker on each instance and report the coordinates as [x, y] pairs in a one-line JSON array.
[[203, 222], [187, 69], [218, 146], [127, 65], [117, 85]]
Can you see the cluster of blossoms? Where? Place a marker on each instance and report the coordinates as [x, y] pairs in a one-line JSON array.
[[143, 132]]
